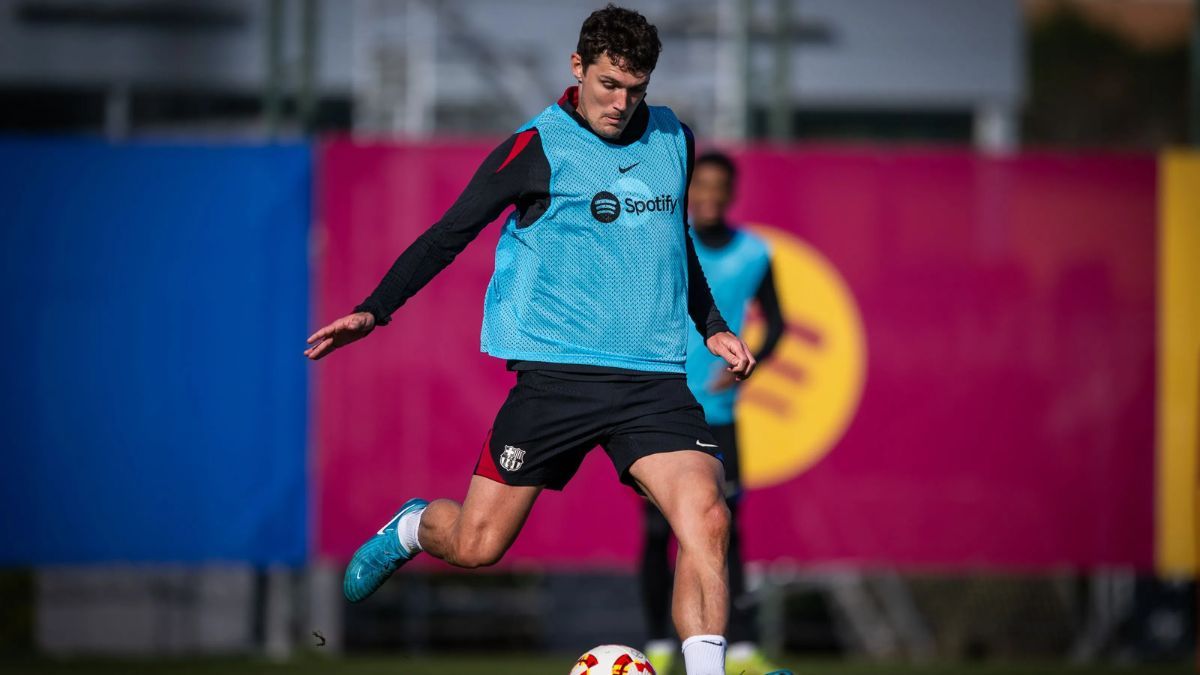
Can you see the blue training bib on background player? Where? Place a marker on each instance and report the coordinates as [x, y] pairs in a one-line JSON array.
[[734, 273], [561, 291]]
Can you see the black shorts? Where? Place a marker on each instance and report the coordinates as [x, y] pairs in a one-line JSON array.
[[551, 420]]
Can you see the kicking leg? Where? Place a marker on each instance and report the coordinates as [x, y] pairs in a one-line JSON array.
[[479, 531], [473, 534]]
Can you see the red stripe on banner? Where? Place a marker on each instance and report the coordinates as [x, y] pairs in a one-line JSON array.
[[804, 334], [790, 371]]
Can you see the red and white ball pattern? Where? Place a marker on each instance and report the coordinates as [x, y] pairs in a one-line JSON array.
[[613, 660]]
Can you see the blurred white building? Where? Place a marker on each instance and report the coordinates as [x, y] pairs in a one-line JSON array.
[[732, 68]]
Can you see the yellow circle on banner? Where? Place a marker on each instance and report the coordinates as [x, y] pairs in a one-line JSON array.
[[797, 405]]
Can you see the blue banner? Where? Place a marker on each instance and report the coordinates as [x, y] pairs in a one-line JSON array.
[[154, 391]]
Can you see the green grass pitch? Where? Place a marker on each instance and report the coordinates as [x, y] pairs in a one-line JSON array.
[[517, 665]]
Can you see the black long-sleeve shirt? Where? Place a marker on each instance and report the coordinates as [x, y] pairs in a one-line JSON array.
[[517, 173]]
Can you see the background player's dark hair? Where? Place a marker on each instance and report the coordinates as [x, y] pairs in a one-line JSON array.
[[628, 39], [719, 159]]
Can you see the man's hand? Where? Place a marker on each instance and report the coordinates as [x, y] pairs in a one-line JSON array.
[[339, 334], [735, 352]]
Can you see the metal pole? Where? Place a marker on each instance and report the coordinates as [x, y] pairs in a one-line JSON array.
[[733, 70], [995, 129], [273, 90], [420, 53], [306, 103], [771, 598], [325, 605], [278, 614], [780, 121], [117, 113]]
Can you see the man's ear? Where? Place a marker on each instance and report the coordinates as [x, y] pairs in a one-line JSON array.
[[577, 66]]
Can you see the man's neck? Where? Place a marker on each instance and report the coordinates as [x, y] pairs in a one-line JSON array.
[[715, 235]]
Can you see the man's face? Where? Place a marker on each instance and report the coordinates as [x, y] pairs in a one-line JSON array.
[[608, 94], [710, 194]]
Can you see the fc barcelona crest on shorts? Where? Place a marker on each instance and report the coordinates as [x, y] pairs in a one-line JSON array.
[[512, 458]]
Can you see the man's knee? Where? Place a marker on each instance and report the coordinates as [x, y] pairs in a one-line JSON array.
[[472, 556], [478, 547], [717, 522], [715, 516], [707, 527]]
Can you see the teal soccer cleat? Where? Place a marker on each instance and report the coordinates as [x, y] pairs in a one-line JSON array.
[[379, 557]]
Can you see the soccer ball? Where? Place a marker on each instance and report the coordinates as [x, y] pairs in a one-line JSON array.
[[613, 660]]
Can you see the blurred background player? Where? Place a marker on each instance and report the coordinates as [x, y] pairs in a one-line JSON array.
[[737, 264]]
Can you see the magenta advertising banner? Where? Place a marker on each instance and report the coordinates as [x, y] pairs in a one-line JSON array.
[[967, 379]]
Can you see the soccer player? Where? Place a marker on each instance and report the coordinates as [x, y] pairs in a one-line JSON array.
[[596, 279], [737, 265]]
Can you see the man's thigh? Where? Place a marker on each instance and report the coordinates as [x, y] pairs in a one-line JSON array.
[[546, 426], [495, 512], [656, 417], [680, 483]]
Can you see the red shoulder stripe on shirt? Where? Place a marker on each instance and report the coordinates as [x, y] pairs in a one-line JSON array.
[[519, 144]]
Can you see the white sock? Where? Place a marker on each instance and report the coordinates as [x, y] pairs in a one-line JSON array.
[[704, 655], [406, 531]]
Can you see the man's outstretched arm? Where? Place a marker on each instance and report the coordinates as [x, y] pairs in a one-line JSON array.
[[516, 172]]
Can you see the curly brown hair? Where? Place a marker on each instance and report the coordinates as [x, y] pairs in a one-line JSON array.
[[625, 35]]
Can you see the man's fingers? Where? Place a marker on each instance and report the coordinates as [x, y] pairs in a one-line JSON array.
[[733, 354], [734, 351], [345, 330], [313, 349], [735, 360], [323, 333], [747, 358], [352, 322], [742, 360], [320, 350], [316, 350]]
